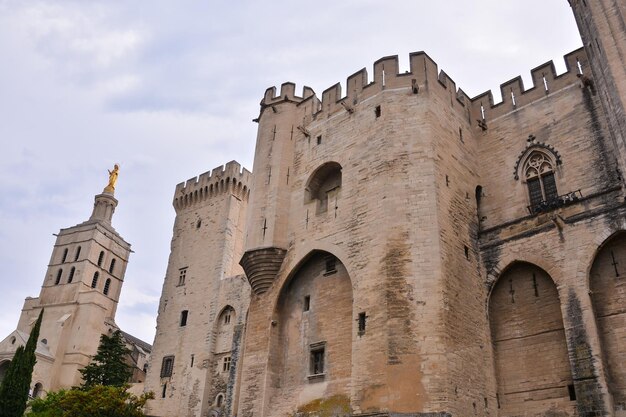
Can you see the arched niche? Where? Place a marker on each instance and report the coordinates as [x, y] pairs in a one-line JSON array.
[[38, 390], [323, 185], [607, 282], [312, 330], [532, 368], [225, 327]]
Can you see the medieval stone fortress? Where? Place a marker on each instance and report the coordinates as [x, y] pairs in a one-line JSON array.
[[402, 248]]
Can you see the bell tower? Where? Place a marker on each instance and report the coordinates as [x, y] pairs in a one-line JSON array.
[[80, 293], [602, 28]]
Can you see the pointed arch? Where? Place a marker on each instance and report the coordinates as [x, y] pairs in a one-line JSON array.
[[224, 329], [313, 314], [531, 361], [607, 287]]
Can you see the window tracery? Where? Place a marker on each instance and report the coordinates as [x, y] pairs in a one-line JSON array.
[[539, 175]]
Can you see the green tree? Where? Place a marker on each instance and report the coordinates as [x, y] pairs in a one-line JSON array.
[[109, 366], [95, 401], [14, 387]]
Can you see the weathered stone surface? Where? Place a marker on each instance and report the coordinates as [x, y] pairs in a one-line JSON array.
[[449, 256]]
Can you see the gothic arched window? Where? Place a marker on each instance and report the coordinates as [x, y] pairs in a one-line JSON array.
[[539, 176], [107, 285], [94, 281]]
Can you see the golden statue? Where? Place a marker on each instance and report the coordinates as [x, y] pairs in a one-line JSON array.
[[110, 188]]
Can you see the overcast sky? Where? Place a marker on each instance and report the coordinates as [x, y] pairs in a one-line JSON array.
[[169, 89]]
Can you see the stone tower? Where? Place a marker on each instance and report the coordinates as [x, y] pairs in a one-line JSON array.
[[204, 303], [603, 31], [80, 293]]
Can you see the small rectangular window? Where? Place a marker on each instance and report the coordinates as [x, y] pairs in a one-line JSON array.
[[226, 364], [319, 140], [182, 275], [362, 318], [377, 111], [331, 265], [317, 360], [307, 303], [167, 366], [183, 318]]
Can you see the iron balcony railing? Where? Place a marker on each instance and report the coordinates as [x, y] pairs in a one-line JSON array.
[[555, 202]]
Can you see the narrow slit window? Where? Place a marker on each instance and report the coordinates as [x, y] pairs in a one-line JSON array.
[[362, 319], [94, 281], [59, 274], [377, 111], [77, 254], [319, 140], [307, 303], [112, 267], [107, 286], [164, 390], [64, 256], [572, 392], [71, 276], [183, 318], [100, 258]]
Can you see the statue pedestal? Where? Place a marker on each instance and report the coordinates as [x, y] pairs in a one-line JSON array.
[[104, 207]]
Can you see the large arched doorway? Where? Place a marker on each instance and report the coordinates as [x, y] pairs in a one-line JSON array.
[[533, 372], [608, 294], [3, 369], [312, 334]]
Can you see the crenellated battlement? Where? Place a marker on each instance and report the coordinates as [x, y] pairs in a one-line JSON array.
[[423, 72], [545, 81], [287, 93], [424, 75], [229, 178]]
